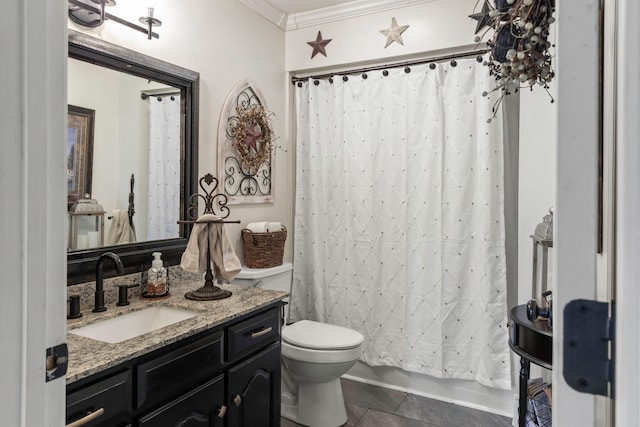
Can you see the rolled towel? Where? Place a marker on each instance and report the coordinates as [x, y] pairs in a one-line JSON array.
[[258, 227], [274, 226]]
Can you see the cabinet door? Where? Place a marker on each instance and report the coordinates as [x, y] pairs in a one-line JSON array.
[[254, 390], [202, 407], [108, 400]]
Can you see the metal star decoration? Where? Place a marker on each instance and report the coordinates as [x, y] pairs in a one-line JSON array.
[[394, 32], [253, 135], [483, 17], [318, 45]]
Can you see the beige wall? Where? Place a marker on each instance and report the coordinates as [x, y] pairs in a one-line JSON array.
[[225, 42], [435, 27]]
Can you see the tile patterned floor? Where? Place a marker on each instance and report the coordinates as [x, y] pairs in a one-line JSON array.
[[371, 406]]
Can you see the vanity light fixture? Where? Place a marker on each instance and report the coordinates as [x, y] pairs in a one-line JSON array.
[[150, 21], [91, 13]]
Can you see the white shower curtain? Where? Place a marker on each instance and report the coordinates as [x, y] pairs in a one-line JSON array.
[[399, 224], [164, 167]]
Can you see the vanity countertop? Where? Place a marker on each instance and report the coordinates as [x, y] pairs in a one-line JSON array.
[[88, 356]]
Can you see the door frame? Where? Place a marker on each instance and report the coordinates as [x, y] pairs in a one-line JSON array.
[[575, 212], [33, 194], [627, 410]]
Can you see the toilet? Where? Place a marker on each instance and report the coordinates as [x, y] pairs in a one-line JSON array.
[[314, 356]]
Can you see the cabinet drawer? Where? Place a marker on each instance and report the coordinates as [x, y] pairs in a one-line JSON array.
[[111, 396], [200, 407], [253, 334], [166, 376]]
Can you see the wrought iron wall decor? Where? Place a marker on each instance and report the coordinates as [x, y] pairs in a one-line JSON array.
[[245, 181]]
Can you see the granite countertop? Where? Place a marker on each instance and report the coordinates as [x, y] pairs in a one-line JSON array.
[[88, 356]]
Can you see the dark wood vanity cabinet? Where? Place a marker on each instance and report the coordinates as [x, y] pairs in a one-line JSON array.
[[228, 376], [254, 390], [196, 408], [104, 403], [178, 371]]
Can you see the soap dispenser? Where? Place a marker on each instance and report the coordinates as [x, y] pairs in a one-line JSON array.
[[157, 277]]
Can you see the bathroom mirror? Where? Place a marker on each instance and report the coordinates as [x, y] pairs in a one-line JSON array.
[[97, 69]]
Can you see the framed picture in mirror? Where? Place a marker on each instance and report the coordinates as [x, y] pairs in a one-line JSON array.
[[79, 152]]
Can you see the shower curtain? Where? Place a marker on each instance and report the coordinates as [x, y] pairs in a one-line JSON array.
[[399, 223], [164, 167]]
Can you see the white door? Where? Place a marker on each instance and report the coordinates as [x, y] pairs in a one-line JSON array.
[[627, 409], [576, 192], [575, 214], [32, 208]]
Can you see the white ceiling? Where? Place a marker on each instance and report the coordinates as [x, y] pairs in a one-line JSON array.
[[295, 14], [297, 6]]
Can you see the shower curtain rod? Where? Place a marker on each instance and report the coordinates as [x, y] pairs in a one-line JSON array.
[[158, 92], [479, 52]]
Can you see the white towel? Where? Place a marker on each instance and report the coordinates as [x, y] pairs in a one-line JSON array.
[[258, 227], [274, 226], [120, 230], [194, 259]]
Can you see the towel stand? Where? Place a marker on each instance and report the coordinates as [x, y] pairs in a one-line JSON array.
[[131, 209], [209, 291]]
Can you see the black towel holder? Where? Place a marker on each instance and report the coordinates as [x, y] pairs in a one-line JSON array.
[[209, 291], [131, 209]]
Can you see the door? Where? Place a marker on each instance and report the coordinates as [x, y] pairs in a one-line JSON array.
[[627, 410], [576, 207], [32, 212], [254, 390], [577, 196]]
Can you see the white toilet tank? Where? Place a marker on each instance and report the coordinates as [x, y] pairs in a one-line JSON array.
[[276, 278]]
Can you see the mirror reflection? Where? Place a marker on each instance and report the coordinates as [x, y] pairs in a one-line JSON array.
[[129, 166]]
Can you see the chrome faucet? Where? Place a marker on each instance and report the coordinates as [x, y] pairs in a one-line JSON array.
[[99, 299]]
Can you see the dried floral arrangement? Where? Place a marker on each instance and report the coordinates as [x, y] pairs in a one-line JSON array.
[[253, 137], [519, 49]]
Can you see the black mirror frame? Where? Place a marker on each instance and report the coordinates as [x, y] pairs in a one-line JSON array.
[[81, 264]]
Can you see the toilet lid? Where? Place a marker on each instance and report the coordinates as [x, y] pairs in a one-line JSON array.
[[321, 336]]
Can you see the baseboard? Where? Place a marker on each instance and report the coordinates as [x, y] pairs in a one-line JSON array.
[[460, 392]]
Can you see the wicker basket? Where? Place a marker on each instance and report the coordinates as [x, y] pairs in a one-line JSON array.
[[264, 250]]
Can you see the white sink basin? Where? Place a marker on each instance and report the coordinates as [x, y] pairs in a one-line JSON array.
[[134, 324]]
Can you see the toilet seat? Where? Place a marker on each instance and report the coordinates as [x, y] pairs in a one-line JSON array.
[[316, 342], [319, 357], [321, 336]]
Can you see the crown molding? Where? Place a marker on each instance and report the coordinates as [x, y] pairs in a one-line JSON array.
[[325, 15], [346, 11], [268, 11]]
